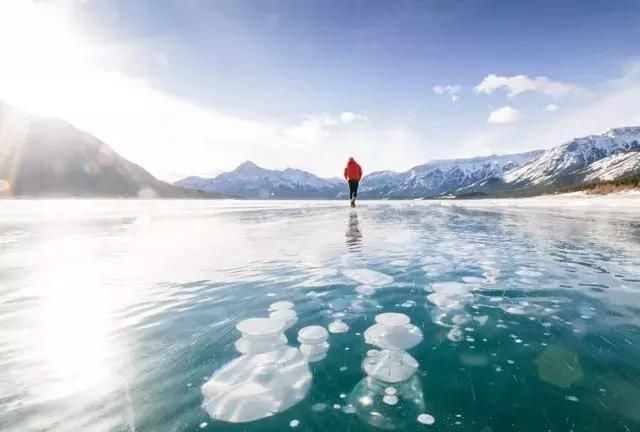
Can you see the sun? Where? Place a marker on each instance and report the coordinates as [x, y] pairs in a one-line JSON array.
[[42, 58]]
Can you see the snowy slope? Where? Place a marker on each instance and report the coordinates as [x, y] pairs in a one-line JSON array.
[[570, 160], [614, 166], [251, 181], [441, 176]]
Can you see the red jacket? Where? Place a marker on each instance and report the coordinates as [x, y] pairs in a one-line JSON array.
[[352, 171]]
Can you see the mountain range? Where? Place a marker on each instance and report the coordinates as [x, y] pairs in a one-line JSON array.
[[612, 155], [41, 156]]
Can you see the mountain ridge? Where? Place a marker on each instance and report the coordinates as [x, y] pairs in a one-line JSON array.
[[48, 157]]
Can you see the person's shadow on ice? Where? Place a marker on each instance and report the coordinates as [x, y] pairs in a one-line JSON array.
[[353, 234]]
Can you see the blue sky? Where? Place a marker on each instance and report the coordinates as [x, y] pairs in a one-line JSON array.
[[213, 83]]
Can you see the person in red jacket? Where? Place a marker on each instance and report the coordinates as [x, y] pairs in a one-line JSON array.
[[353, 174]]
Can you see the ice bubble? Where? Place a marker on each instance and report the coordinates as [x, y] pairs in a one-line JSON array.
[[572, 398], [510, 362], [318, 407], [495, 299], [317, 357], [455, 334], [392, 319], [460, 319], [252, 387], [391, 366], [394, 337], [426, 419], [349, 409], [390, 399], [559, 366], [313, 350], [336, 406], [342, 369], [260, 328], [312, 335], [271, 294], [473, 280], [514, 310], [368, 277], [408, 304], [288, 316], [390, 391], [247, 346], [343, 395], [450, 287], [279, 305], [365, 290], [294, 423], [498, 369], [517, 341], [482, 320], [338, 326], [203, 425]]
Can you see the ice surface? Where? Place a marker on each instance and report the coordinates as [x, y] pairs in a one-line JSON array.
[[368, 277]]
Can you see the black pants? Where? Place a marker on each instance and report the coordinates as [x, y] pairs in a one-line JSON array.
[[353, 189]]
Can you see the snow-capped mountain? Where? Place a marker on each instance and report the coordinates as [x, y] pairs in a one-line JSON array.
[[442, 176], [612, 155], [251, 181], [594, 157]]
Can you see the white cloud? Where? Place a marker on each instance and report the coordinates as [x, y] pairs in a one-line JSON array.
[[611, 104], [506, 114], [348, 117], [451, 90], [518, 84], [551, 108]]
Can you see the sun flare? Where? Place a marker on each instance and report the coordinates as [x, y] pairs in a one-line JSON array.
[[42, 61]]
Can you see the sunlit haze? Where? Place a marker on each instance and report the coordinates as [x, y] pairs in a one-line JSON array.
[[198, 87]]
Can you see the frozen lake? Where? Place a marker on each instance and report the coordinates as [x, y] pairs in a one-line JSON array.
[[121, 316]]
